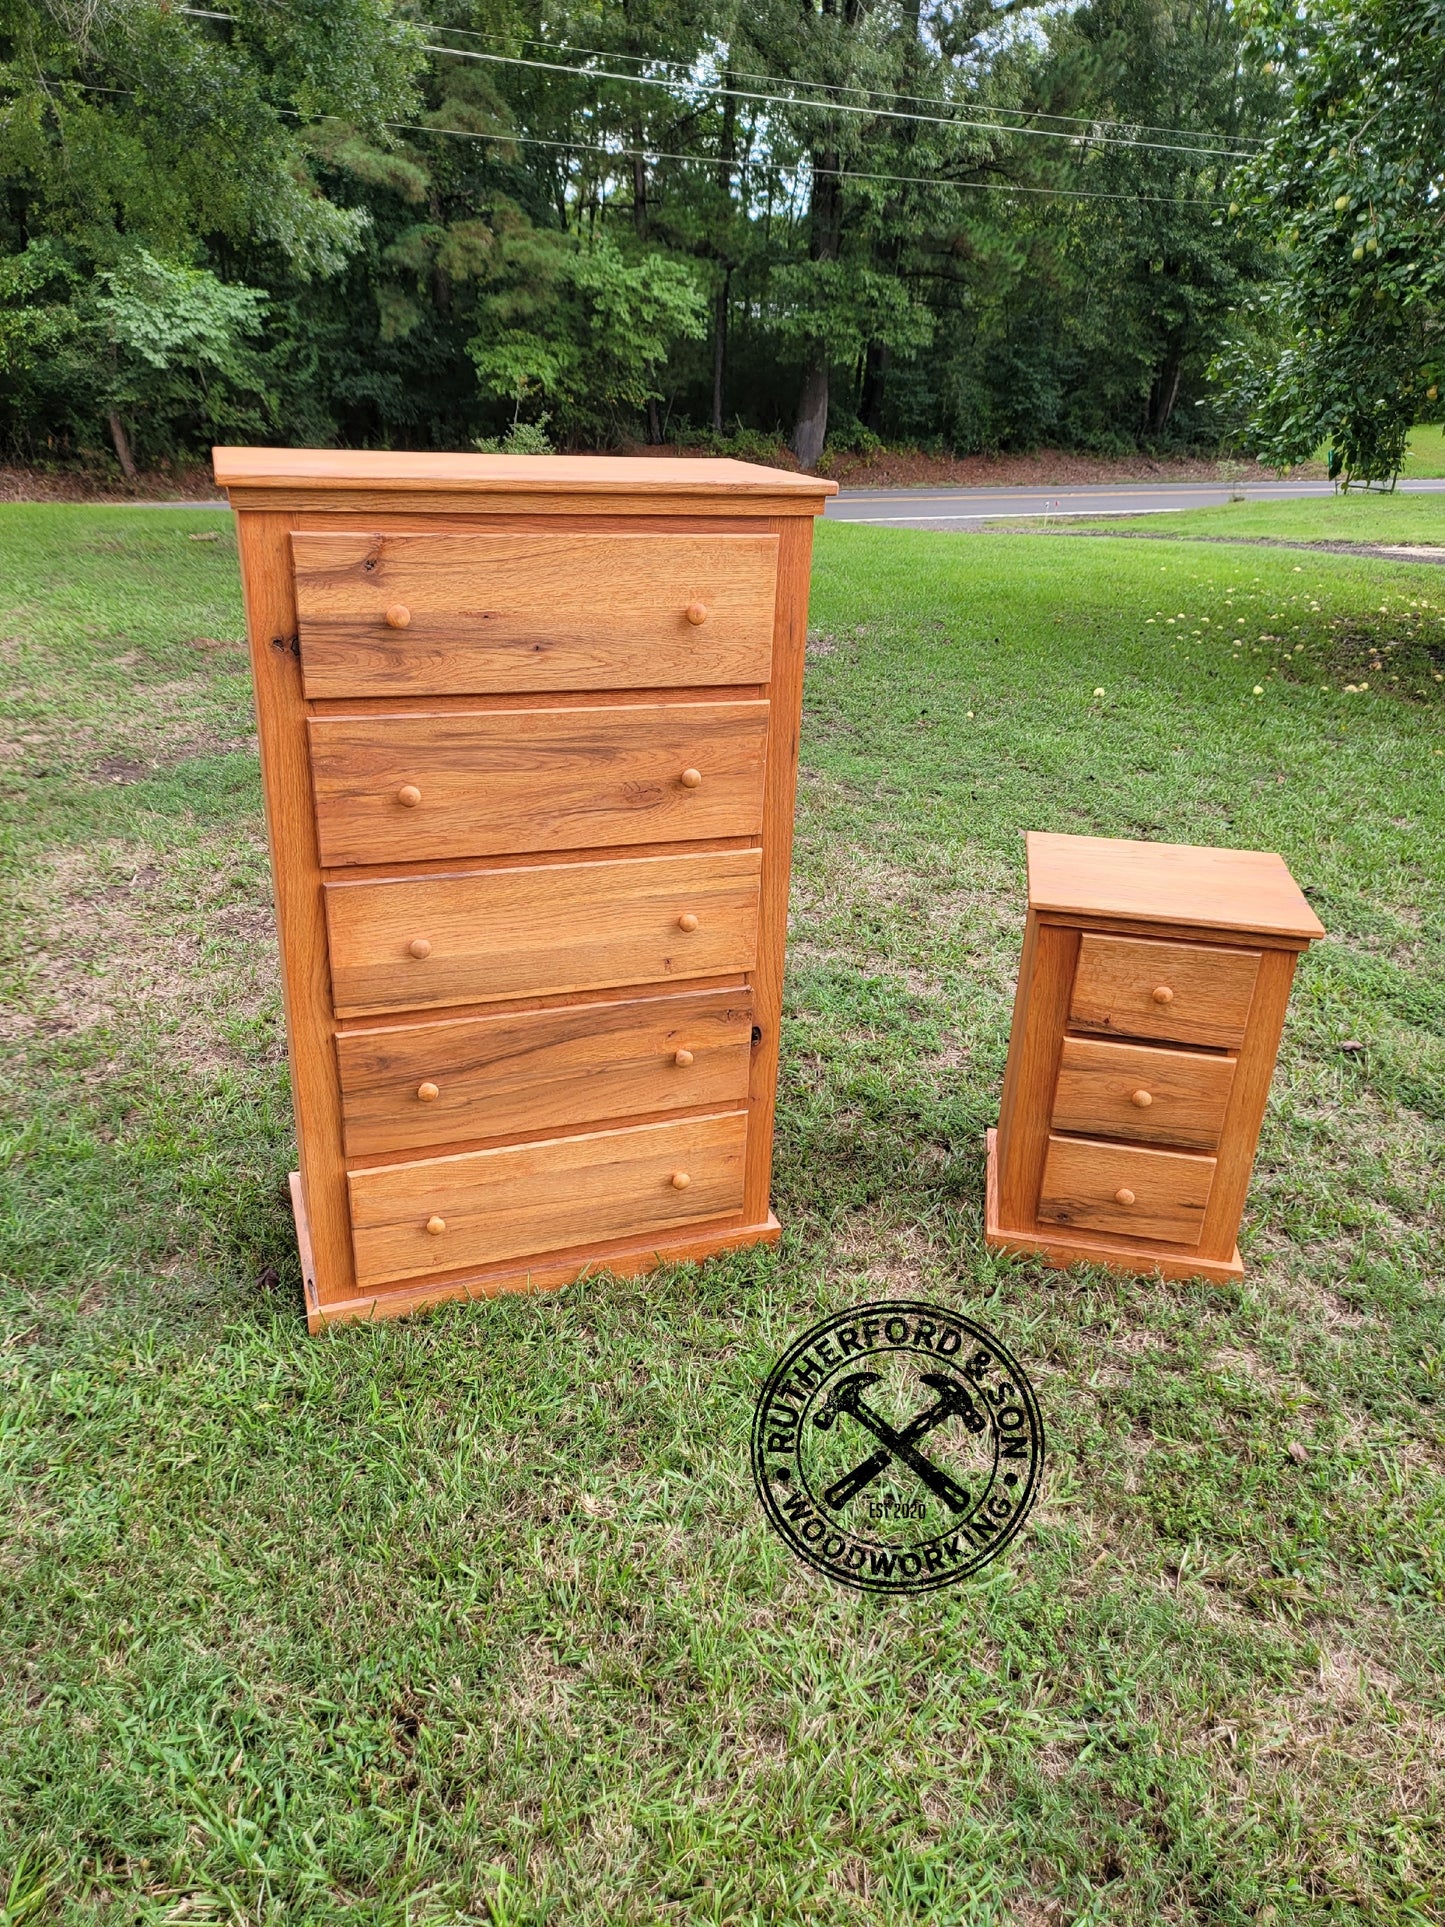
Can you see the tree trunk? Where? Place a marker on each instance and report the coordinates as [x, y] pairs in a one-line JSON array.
[[654, 423], [720, 351], [811, 430], [875, 373], [122, 448], [1164, 394], [825, 238]]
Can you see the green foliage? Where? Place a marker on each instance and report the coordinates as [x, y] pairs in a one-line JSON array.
[[1349, 190], [581, 327], [910, 213]]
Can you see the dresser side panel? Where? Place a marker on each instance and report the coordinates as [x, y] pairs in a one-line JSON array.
[[1046, 978], [785, 721], [264, 542], [1239, 1139]]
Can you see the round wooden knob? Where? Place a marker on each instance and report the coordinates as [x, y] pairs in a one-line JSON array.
[[436, 1226], [696, 613], [680, 1180], [408, 796], [690, 778], [1162, 994], [419, 948], [1123, 1195], [428, 1093], [687, 921], [682, 1058], [1143, 1099], [398, 616]]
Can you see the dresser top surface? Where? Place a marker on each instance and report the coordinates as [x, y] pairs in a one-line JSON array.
[[343, 468], [1164, 883]]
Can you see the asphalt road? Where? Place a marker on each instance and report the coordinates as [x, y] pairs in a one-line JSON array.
[[965, 508]]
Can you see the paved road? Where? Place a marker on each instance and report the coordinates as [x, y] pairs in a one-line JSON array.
[[964, 508]]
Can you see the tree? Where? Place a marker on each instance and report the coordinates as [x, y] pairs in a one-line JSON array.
[[1350, 191]]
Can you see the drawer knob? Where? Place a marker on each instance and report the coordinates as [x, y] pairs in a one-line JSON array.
[[1143, 1099], [419, 948], [682, 1058], [428, 1093], [697, 613], [408, 796], [690, 778], [1162, 994], [687, 921], [436, 1226], [398, 616], [1123, 1195], [680, 1180]]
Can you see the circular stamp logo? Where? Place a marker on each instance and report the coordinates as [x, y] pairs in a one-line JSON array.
[[897, 1447]]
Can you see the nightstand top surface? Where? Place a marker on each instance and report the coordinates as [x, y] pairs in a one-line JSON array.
[[1161, 883]]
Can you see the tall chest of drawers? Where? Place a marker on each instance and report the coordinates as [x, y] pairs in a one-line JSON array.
[[529, 732], [1151, 997]]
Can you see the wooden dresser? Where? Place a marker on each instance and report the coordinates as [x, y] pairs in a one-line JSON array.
[[1151, 997], [529, 737]]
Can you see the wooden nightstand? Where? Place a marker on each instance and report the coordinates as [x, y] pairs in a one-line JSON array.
[[529, 737], [1151, 997]]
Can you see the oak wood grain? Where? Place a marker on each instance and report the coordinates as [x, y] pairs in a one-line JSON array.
[[539, 928], [264, 544], [1247, 1099], [399, 472], [1131, 1091], [1121, 983], [1040, 1010], [613, 1257], [529, 1199], [543, 1070], [1094, 1186], [1062, 1248], [531, 612], [1236, 890], [468, 783]]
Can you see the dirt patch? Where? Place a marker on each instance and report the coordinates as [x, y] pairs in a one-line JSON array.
[[185, 945], [189, 483]]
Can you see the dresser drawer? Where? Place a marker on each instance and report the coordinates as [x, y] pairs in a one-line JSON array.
[[1156, 1096], [466, 615], [1185, 993], [1114, 1187], [407, 1088], [415, 943], [440, 1214], [460, 783]]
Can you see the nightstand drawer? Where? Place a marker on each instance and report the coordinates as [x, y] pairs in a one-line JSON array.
[[409, 1087], [441, 1214], [468, 615], [1185, 993], [1155, 1096], [470, 937], [507, 782], [1114, 1187]]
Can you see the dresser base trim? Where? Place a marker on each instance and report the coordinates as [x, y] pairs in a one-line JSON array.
[[627, 1258], [1074, 1248]]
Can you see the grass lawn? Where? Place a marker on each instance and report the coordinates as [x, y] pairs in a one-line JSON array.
[[1312, 518], [476, 1618]]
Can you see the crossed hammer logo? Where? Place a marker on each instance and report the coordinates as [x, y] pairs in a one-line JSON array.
[[952, 1401]]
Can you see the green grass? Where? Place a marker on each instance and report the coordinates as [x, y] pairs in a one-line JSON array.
[[1355, 517], [1425, 458], [475, 1618]]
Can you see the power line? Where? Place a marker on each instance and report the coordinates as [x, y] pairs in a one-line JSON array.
[[652, 155], [833, 107], [844, 87], [842, 173], [1194, 152]]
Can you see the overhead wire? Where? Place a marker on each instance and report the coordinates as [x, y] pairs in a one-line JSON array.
[[836, 106], [1194, 151], [845, 87]]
